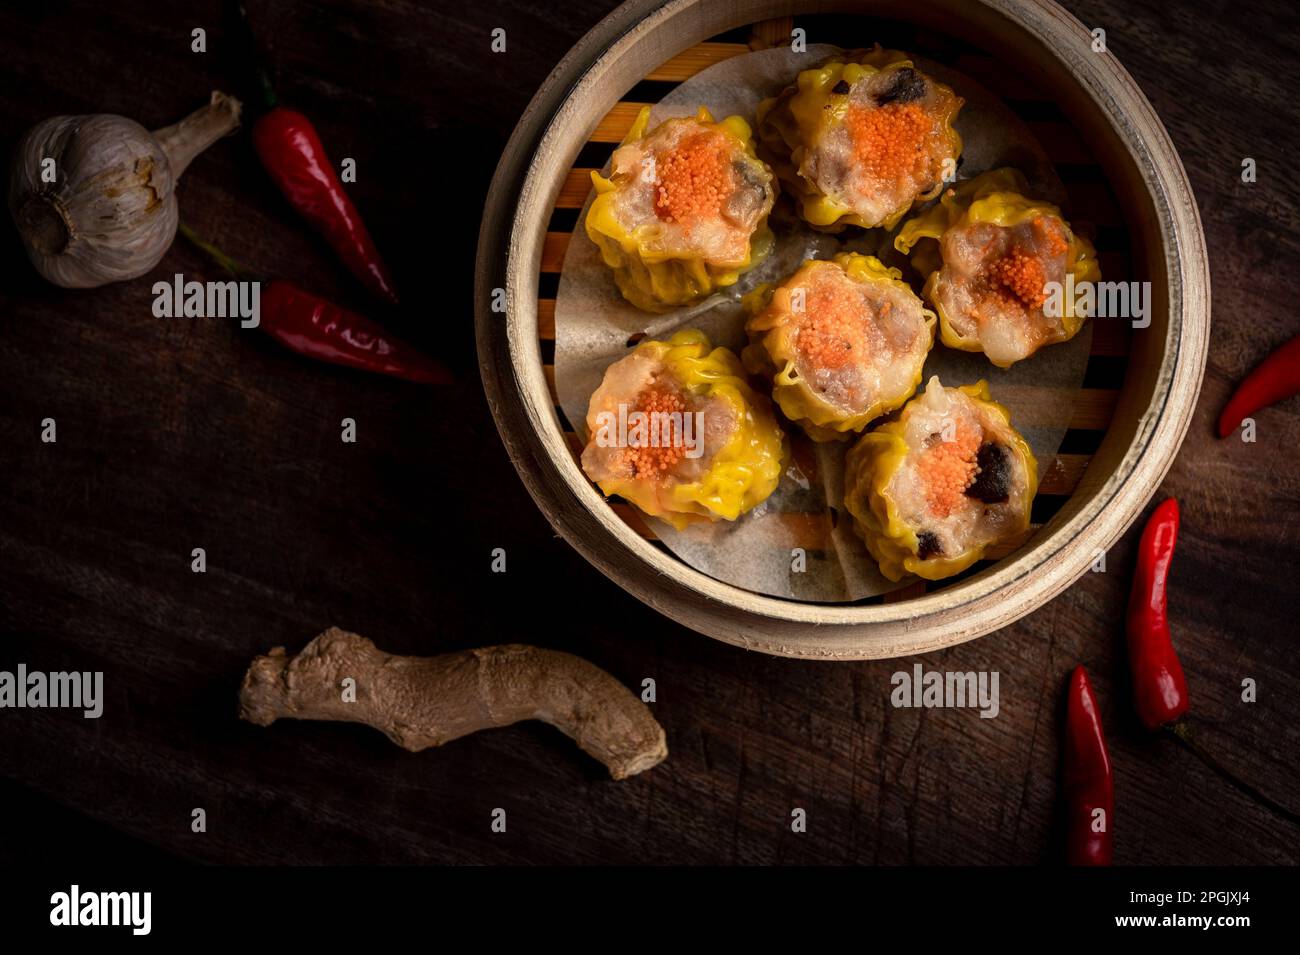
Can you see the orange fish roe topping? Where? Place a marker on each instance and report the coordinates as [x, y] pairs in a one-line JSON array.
[[648, 460], [888, 141], [947, 468], [1023, 275], [1053, 234], [832, 327], [693, 179]]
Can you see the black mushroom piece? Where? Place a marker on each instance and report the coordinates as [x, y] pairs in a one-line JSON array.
[[992, 483], [905, 85], [840, 88], [748, 197], [927, 545]]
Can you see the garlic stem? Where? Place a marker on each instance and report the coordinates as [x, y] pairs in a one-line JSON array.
[[196, 132]]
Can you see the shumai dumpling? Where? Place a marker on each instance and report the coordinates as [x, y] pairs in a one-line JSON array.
[[860, 138], [684, 210], [998, 276], [843, 341], [932, 491], [676, 430]]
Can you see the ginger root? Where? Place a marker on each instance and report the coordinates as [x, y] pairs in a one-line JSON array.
[[420, 702]]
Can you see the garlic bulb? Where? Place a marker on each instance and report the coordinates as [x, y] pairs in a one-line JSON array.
[[105, 209]]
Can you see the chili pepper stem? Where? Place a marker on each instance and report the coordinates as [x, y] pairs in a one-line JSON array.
[[215, 254], [1180, 732], [269, 99]]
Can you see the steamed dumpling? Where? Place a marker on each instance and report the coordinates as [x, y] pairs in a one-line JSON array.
[[676, 430], [932, 491], [843, 341], [684, 210], [992, 257], [861, 138]]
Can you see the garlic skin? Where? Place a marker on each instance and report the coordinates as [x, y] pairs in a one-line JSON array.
[[111, 213]]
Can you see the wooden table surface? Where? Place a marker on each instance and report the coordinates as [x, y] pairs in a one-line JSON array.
[[184, 433]]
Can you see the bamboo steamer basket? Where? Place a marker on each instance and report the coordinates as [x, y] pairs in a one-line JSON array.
[[1126, 423]]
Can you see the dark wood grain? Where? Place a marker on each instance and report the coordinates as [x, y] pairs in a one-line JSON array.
[[175, 434]]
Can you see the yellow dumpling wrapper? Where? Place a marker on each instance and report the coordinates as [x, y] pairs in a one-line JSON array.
[[659, 279]]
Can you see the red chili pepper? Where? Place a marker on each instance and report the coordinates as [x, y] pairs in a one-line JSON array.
[[1159, 687], [293, 155], [1275, 378], [317, 328], [291, 151], [1088, 781]]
